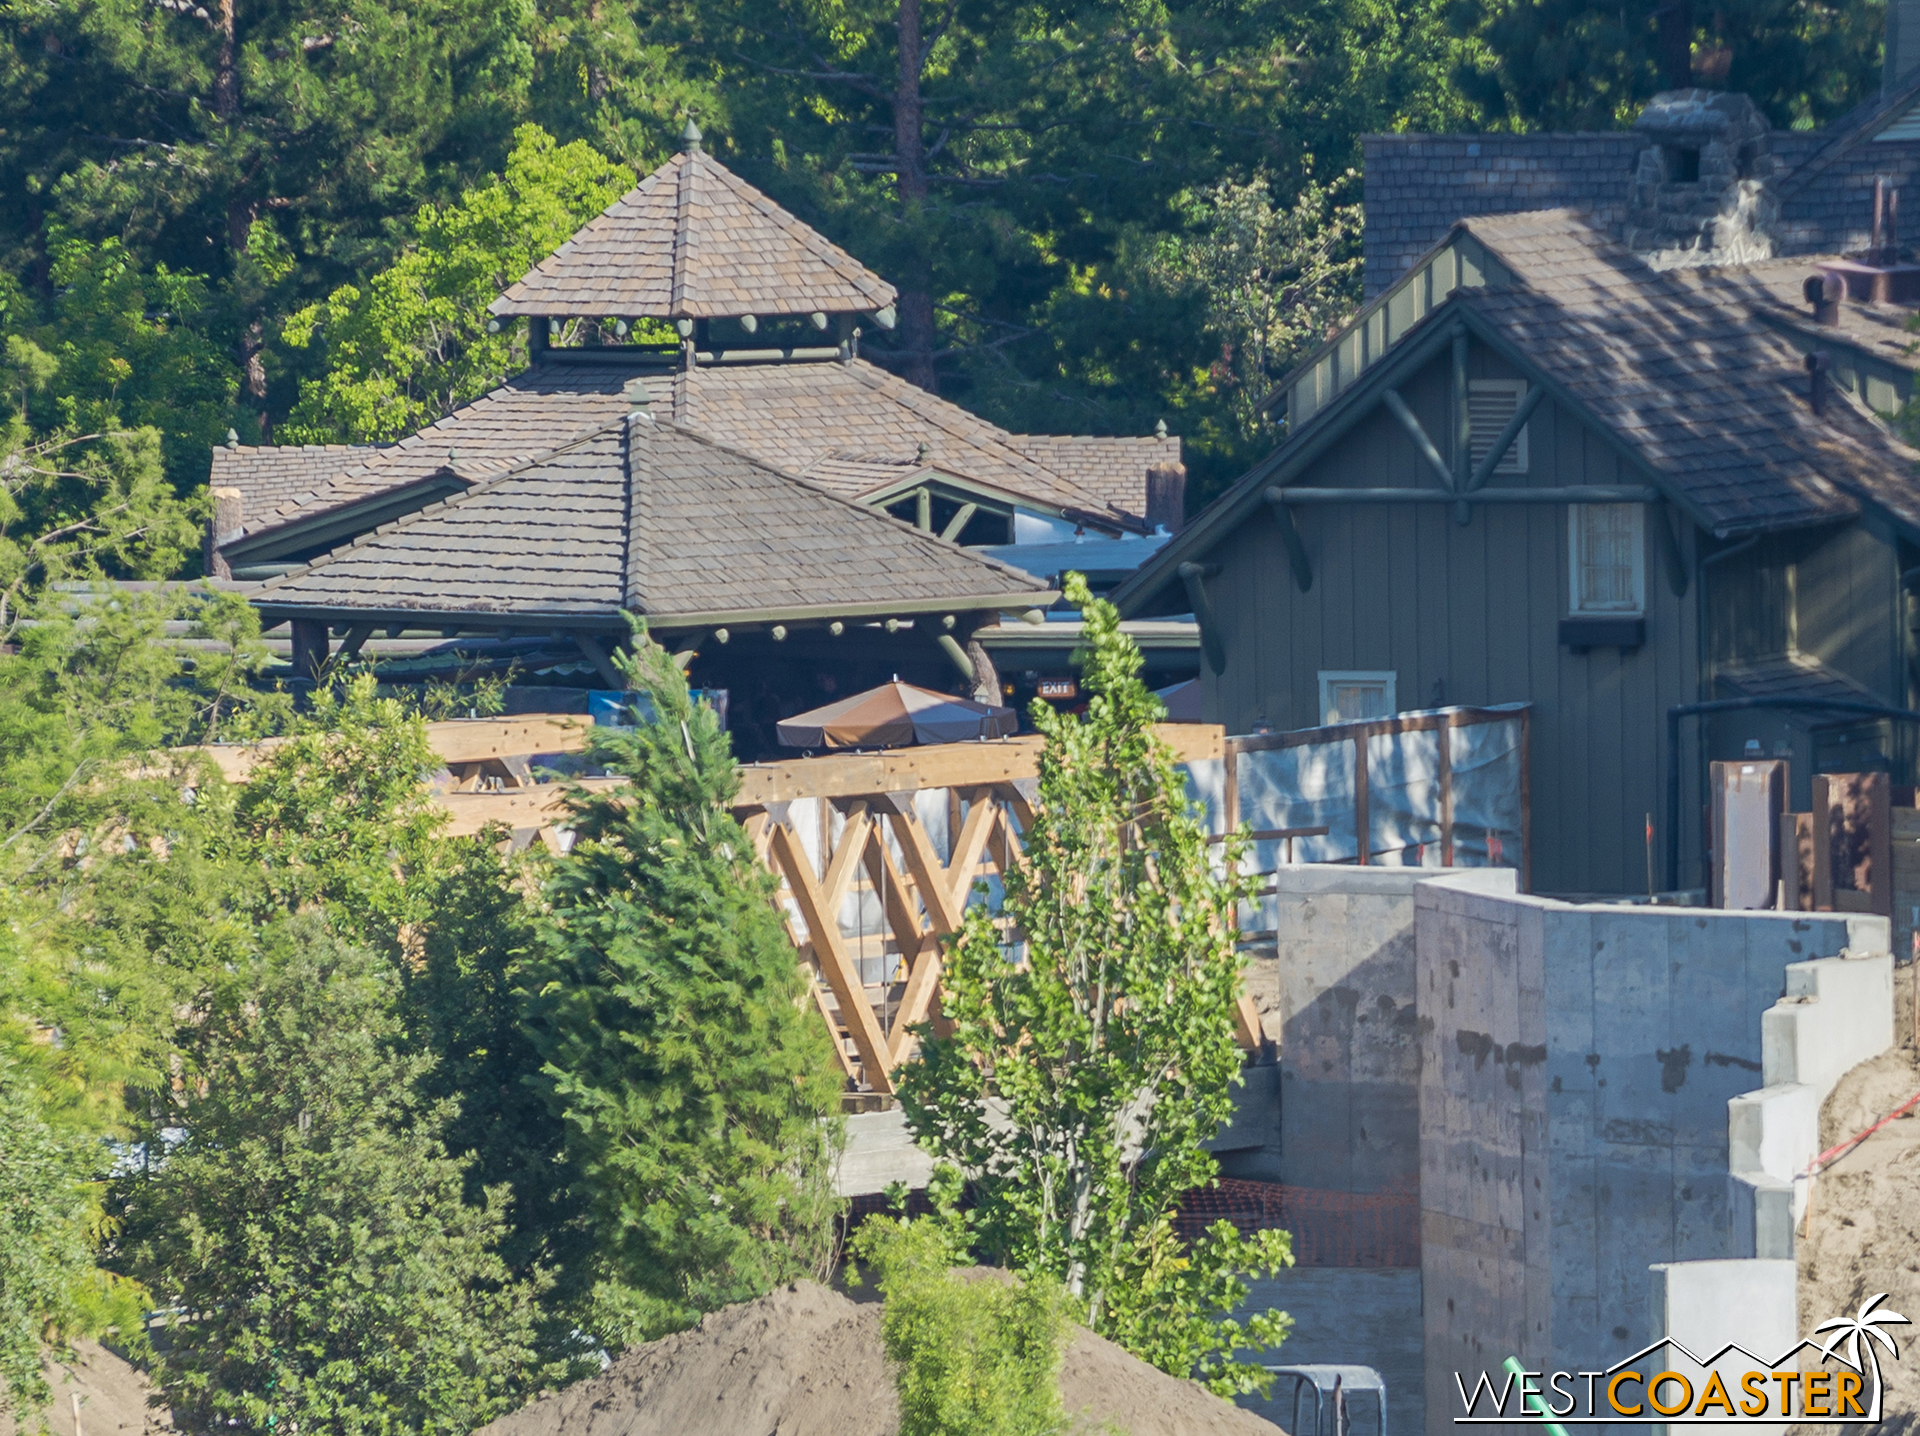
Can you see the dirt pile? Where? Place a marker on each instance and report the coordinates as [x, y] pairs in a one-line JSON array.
[[806, 1361], [113, 1396], [1863, 1230]]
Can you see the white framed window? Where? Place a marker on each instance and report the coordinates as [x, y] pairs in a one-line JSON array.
[[1491, 404], [1352, 696], [1606, 548]]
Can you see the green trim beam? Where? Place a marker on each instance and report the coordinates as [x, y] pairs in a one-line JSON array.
[[1290, 536]]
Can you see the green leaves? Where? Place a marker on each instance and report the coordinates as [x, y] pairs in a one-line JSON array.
[[413, 344], [1089, 1047], [314, 1229], [695, 1082], [975, 1353]]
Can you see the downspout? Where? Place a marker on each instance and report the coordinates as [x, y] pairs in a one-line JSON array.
[[1735, 705]]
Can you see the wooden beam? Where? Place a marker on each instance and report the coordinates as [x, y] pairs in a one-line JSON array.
[[923, 509], [1411, 423], [1662, 517], [356, 637], [959, 522], [542, 806], [950, 646], [940, 765], [1194, 576], [1462, 417], [596, 654], [968, 847], [846, 858], [823, 932], [1290, 536], [459, 740], [930, 877]]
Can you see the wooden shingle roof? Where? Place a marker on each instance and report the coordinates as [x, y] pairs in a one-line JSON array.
[[647, 517], [695, 241]]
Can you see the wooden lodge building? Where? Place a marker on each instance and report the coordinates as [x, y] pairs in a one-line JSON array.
[[1617, 447], [792, 519]]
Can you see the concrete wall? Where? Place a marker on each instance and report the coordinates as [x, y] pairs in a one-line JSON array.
[[1368, 1316], [1336, 991], [1577, 1067]]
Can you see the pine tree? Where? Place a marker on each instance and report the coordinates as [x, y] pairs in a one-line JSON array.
[[311, 1227], [695, 1081], [1089, 1052]]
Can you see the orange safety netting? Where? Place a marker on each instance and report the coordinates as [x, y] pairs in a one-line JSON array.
[[1329, 1228]]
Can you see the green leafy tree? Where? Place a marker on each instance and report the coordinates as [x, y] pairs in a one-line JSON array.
[[313, 1229], [697, 1086], [974, 1353], [413, 344], [1089, 1038], [44, 1253], [1272, 282]]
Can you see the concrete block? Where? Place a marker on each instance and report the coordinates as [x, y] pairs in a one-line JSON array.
[[1760, 1215], [1837, 1013], [1773, 1131], [1704, 1305], [880, 1151]]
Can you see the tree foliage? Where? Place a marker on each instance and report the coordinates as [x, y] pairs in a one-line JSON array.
[[313, 1229], [1089, 1047], [414, 344], [974, 1353], [696, 1084]]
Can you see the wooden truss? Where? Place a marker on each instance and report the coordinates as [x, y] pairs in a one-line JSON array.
[[870, 898]]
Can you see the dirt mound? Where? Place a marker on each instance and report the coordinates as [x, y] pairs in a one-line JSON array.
[[113, 1396], [1863, 1230], [806, 1361]]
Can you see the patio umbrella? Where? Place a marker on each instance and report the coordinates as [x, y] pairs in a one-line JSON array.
[[894, 715]]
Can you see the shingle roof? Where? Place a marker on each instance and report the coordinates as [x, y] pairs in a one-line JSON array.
[[848, 426], [269, 475], [534, 412], [651, 517], [695, 241], [801, 417], [1787, 675], [1677, 365]]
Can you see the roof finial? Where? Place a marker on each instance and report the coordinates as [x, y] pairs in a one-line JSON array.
[[690, 137], [1160, 429]]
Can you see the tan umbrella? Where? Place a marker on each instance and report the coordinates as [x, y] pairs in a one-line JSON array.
[[894, 715]]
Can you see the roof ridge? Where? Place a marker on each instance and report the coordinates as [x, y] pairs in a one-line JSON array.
[[639, 501], [683, 201], [940, 545]]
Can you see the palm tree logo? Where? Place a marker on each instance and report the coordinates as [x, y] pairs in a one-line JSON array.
[[1849, 1330]]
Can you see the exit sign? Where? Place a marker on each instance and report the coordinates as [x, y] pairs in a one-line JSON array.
[[1059, 688]]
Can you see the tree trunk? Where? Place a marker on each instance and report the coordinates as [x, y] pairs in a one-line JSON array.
[[1674, 31], [915, 305], [226, 72], [240, 212]]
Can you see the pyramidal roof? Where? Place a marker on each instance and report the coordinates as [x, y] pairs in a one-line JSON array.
[[695, 241]]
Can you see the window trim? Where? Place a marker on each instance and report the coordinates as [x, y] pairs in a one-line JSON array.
[[1332, 677], [1515, 459], [1638, 550]]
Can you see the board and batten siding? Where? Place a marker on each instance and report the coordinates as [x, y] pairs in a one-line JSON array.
[[1470, 615]]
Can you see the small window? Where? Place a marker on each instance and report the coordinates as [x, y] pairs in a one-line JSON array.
[[1351, 697], [1492, 404], [1607, 547]]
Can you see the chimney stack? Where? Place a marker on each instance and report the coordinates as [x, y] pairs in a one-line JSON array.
[[1167, 496], [1903, 45]]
